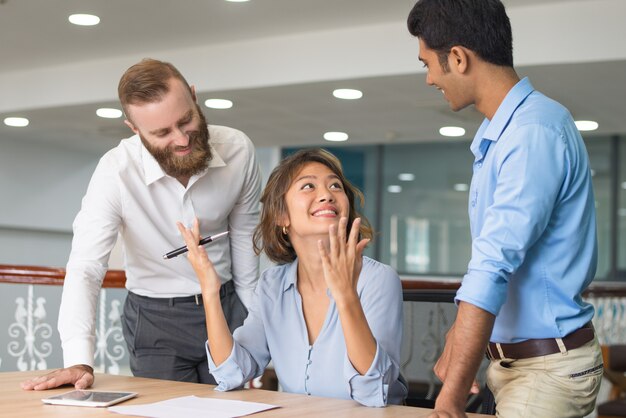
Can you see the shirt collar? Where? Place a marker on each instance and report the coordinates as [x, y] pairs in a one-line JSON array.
[[492, 129], [154, 172], [291, 275]]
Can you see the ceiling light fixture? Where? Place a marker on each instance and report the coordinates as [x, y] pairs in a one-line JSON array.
[[394, 188], [16, 122], [237, 1], [218, 104], [586, 125], [452, 131], [109, 113], [336, 136], [624, 185], [406, 176], [84, 19], [348, 94], [461, 187]]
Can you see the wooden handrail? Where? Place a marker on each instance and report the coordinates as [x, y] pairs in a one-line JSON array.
[[117, 279], [52, 276]]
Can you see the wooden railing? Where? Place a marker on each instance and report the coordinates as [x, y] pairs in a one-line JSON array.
[[51, 276], [117, 279]]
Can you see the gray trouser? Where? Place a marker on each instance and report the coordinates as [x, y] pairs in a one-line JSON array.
[[166, 336]]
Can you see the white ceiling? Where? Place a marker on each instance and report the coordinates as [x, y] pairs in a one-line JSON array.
[[398, 108]]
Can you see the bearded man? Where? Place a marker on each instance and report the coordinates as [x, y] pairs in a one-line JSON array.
[[175, 168]]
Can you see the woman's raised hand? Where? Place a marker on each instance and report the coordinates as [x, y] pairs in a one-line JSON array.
[[343, 260], [209, 280]]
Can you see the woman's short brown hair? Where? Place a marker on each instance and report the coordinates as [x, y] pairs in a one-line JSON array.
[[147, 82], [268, 234]]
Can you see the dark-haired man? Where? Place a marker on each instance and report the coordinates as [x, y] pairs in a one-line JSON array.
[[532, 220], [175, 168]]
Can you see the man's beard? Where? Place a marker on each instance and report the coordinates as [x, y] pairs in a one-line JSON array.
[[187, 165]]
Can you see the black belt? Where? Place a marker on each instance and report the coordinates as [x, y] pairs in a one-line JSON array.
[[540, 347], [225, 289]]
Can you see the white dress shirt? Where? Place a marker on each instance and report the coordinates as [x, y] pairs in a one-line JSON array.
[[129, 193]]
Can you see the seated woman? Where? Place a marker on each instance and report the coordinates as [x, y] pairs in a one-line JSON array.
[[329, 318]]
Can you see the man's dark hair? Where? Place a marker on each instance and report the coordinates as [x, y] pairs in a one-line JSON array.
[[479, 25]]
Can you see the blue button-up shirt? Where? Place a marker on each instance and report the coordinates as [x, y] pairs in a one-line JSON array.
[[275, 329], [532, 218]]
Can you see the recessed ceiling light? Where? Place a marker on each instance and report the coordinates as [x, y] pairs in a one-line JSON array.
[[336, 136], [218, 103], [586, 125], [109, 113], [452, 131], [406, 176], [624, 185], [16, 122], [621, 211], [394, 188], [84, 19], [593, 172], [237, 1], [461, 187], [348, 94]]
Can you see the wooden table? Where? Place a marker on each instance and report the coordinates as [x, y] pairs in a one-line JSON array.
[[15, 402]]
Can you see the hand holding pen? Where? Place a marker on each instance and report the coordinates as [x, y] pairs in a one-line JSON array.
[[203, 241], [199, 260]]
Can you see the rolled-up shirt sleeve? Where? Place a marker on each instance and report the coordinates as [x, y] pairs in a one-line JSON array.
[[236, 370], [249, 356], [381, 299]]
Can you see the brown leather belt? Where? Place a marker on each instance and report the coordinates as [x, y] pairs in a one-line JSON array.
[[540, 347]]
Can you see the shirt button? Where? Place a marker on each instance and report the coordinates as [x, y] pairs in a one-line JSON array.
[[307, 377], [479, 165], [473, 203], [309, 362]]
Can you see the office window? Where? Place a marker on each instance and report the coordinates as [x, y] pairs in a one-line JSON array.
[[621, 210], [599, 150], [416, 199], [424, 222]]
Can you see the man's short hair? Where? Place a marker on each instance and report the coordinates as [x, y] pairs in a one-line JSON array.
[[479, 25], [147, 82]]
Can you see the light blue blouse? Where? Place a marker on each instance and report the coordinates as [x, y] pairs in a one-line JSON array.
[[275, 329]]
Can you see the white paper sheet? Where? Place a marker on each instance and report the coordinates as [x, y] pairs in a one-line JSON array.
[[193, 406]]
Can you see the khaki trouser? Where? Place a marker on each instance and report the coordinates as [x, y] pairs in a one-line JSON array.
[[558, 385]]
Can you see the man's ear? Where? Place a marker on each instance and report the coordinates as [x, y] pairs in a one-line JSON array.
[[458, 58], [131, 126]]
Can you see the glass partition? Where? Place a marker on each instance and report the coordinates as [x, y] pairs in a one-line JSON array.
[[416, 199], [621, 210]]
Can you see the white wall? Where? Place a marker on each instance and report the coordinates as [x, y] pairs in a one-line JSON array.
[[35, 228]]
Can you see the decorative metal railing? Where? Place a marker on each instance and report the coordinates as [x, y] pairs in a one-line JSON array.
[[425, 323]]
